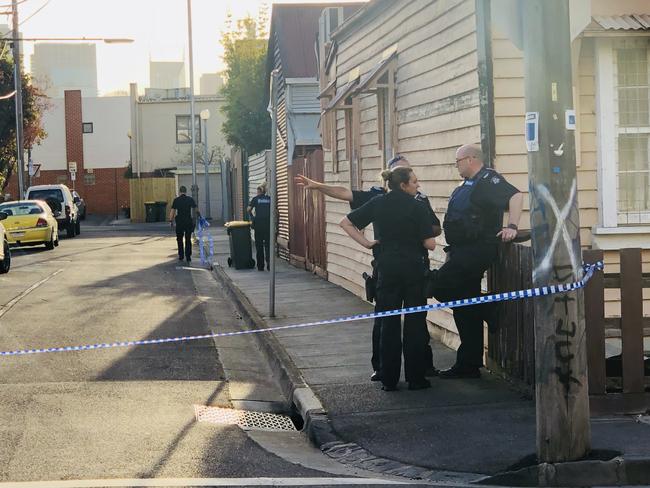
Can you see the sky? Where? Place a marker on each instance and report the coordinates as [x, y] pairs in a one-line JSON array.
[[159, 28]]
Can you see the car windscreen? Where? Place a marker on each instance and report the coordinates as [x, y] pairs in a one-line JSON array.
[[49, 194], [15, 209]]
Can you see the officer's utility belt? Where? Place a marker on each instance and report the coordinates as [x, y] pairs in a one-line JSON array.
[[458, 232]]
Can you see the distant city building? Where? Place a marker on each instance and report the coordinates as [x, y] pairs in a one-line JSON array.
[[167, 74], [211, 83], [57, 67]]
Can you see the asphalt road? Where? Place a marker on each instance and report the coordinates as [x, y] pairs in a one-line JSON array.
[[118, 413]]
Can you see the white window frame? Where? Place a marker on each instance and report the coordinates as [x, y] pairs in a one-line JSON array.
[[607, 132]]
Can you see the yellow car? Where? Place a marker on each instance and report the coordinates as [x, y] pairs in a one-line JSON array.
[[30, 222], [5, 253]]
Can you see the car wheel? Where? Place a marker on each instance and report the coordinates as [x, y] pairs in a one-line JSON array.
[[49, 245], [5, 264], [70, 230], [77, 228]]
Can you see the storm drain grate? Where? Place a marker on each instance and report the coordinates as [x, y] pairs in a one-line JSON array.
[[244, 418]]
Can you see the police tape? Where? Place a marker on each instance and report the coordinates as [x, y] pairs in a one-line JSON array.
[[204, 224], [589, 270]]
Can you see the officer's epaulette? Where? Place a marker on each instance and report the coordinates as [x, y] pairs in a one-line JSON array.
[[377, 189], [421, 197], [491, 173]]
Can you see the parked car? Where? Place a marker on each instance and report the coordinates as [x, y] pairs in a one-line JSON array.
[[61, 201], [5, 253], [29, 223], [81, 204]]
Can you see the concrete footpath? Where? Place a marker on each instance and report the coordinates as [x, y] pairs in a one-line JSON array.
[[456, 431]]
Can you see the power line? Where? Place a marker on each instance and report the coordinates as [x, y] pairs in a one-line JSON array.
[[37, 11]]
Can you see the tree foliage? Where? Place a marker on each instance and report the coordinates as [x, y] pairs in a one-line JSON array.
[[247, 123], [34, 104]]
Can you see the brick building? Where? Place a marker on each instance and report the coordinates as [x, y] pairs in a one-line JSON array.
[[92, 132]]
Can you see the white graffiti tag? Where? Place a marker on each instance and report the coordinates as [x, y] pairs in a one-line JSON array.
[[560, 229]]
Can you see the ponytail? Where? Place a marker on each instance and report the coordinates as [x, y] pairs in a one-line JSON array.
[[394, 177]]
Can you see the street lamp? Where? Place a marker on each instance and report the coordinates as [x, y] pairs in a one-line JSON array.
[[195, 187], [20, 156], [205, 115]]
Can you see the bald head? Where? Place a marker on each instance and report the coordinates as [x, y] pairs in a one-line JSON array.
[[469, 160]]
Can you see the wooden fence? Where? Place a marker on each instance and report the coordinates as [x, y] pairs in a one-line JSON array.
[[618, 384], [150, 190], [511, 349]]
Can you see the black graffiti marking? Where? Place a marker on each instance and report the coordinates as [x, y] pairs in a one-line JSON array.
[[565, 299], [567, 332], [563, 353]]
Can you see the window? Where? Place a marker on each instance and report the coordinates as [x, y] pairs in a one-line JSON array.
[[183, 135], [89, 179], [633, 131], [384, 125], [623, 133], [87, 127]]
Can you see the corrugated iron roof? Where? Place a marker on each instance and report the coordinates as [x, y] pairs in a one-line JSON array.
[[624, 22]]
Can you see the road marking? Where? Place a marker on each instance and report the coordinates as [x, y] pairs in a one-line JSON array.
[[203, 482], [5, 308]]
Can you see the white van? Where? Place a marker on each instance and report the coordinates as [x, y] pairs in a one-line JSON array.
[[60, 200]]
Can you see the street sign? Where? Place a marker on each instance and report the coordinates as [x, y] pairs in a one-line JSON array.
[[73, 175], [72, 167], [34, 169]]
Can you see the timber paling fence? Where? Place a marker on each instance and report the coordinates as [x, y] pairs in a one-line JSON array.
[[617, 384]]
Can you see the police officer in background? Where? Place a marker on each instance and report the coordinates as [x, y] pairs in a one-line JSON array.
[[261, 204], [473, 228], [405, 229], [181, 215], [358, 198]]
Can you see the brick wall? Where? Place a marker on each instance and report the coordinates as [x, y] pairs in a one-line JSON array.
[[105, 190]]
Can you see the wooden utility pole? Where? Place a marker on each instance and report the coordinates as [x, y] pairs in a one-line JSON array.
[[563, 430], [20, 154]]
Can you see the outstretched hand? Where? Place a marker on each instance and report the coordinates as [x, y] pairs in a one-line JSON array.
[[305, 182]]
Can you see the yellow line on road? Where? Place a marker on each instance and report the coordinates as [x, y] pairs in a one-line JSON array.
[[5, 308]]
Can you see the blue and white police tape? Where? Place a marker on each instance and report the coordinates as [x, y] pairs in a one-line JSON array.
[[204, 224], [497, 297]]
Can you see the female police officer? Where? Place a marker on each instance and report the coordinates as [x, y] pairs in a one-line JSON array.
[[405, 228]]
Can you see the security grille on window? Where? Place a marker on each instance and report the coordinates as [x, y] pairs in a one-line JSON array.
[[89, 179], [183, 135], [632, 78], [87, 127]]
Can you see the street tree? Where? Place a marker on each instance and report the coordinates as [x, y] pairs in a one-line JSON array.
[[34, 104], [247, 124]]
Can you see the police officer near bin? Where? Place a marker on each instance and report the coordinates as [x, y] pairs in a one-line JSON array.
[[405, 229], [261, 205], [358, 198], [181, 215], [473, 227]]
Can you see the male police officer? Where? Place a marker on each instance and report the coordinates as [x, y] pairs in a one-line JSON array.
[[473, 228], [358, 198], [181, 214], [261, 203]]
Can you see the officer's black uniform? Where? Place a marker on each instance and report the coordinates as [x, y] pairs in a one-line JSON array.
[[359, 198], [403, 224], [261, 224], [184, 224], [474, 217]]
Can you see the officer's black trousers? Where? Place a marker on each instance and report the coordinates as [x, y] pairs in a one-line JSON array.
[[397, 287], [262, 234], [184, 251], [460, 277]]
